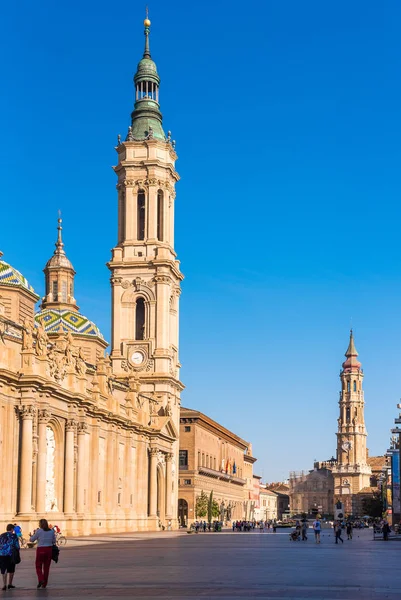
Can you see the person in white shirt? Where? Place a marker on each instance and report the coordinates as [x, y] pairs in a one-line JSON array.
[[317, 528]]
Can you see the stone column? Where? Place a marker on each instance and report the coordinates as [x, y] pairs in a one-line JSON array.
[[153, 483], [43, 417], [69, 466], [162, 311], [82, 427], [152, 213], [25, 482], [169, 484]]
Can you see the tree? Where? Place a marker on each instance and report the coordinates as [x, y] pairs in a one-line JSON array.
[[201, 505], [210, 508], [213, 509], [373, 505]]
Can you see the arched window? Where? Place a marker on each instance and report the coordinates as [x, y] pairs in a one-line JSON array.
[[140, 319], [348, 386], [348, 414], [160, 215], [354, 386], [141, 215]]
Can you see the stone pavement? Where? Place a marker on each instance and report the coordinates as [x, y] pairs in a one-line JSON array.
[[175, 565]]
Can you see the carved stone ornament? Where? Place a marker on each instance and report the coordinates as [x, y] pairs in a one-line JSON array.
[[126, 284], [82, 428], [27, 335], [125, 365], [42, 340], [27, 412], [70, 425], [162, 279], [44, 415]]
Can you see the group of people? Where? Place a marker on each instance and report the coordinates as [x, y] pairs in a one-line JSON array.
[[249, 525], [10, 552], [203, 526]]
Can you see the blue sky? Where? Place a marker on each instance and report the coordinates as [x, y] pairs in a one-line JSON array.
[[287, 121]]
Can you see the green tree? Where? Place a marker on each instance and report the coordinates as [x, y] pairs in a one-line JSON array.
[[373, 506], [213, 509], [201, 505], [210, 508]]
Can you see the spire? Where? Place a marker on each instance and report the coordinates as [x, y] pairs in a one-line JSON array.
[[146, 22], [351, 363], [59, 274], [146, 118], [59, 244], [351, 350], [59, 258]]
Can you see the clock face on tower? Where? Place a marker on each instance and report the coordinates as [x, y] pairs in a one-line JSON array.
[[137, 358], [346, 446]]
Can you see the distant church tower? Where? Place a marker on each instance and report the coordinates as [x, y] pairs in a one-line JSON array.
[[145, 272], [352, 472]]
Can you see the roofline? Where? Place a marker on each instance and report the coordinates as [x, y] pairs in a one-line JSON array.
[[189, 413]]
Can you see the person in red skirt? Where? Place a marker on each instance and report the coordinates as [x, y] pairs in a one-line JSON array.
[[45, 537]]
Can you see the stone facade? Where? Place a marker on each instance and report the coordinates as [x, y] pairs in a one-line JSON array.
[[268, 504], [90, 441], [312, 492], [212, 459]]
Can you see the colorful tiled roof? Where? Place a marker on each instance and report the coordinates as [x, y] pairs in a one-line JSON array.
[[10, 276], [55, 321]]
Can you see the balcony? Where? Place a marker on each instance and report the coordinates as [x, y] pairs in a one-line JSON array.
[[221, 475]]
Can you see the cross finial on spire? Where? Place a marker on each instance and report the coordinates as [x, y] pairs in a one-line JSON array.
[[59, 243]]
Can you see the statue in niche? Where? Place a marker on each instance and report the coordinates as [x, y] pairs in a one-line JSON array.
[[27, 335], [168, 410], [69, 356], [42, 340], [80, 363]]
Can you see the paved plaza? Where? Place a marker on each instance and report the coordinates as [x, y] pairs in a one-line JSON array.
[[218, 565]]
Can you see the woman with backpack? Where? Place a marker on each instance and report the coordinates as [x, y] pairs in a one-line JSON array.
[[9, 556], [46, 538]]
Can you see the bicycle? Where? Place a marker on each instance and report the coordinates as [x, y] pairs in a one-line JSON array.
[[23, 543], [61, 540]]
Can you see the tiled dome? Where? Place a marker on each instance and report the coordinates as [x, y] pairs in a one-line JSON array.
[[12, 277], [55, 321]]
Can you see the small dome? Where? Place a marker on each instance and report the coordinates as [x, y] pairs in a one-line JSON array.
[[59, 260], [56, 321], [12, 277], [146, 71]]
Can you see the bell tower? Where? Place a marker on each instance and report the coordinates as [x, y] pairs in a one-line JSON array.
[[145, 272], [352, 472]]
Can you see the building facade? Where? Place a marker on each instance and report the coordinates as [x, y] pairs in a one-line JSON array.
[[212, 459], [312, 493], [268, 505], [89, 440]]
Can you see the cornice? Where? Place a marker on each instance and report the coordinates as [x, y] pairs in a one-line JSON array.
[[208, 423]]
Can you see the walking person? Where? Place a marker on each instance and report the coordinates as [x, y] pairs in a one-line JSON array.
[[9, 556], [386, 530], [317, 528], [304, 530], [46, 538], [349, 530], [337, 531]]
